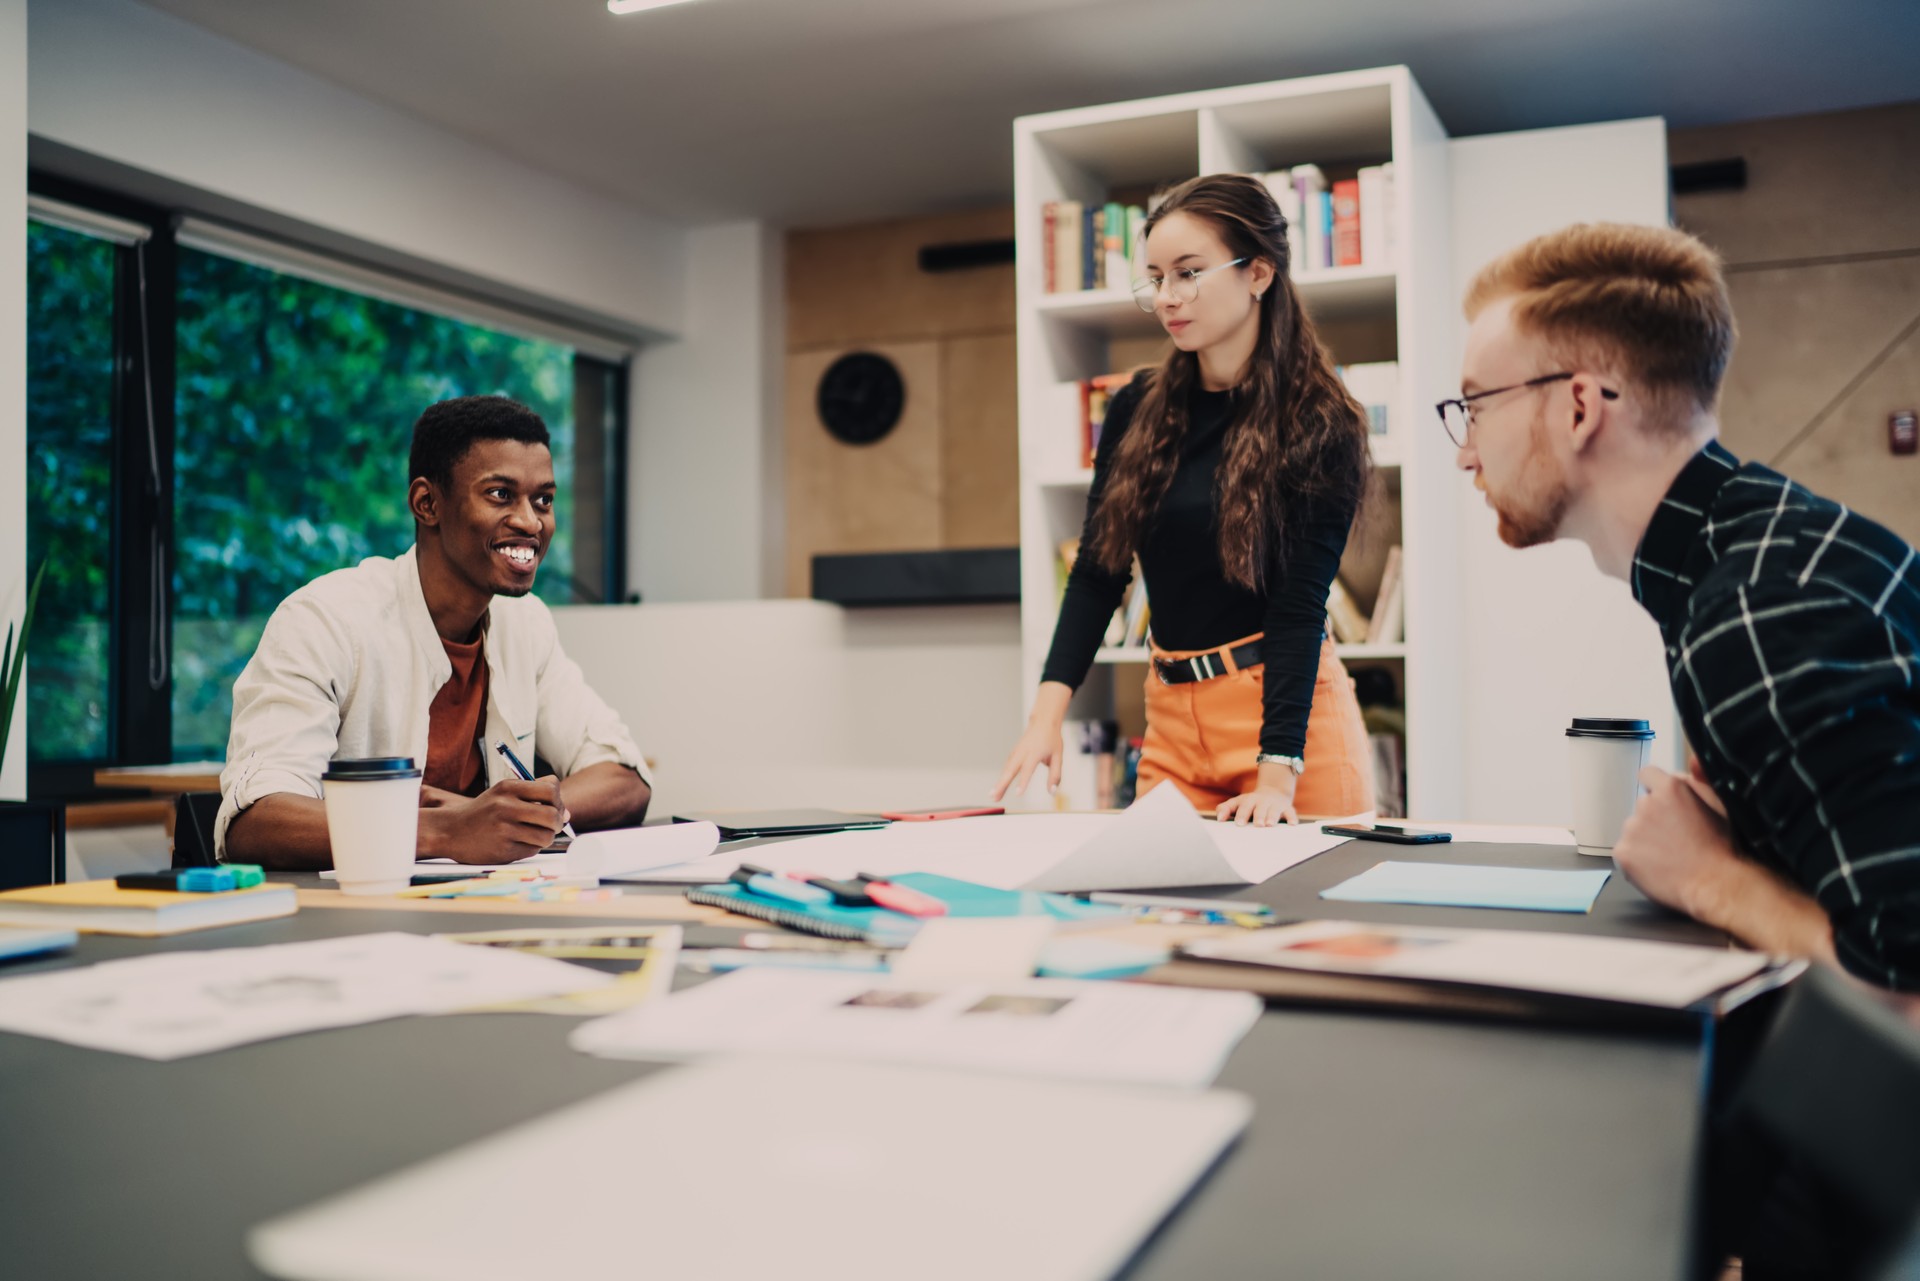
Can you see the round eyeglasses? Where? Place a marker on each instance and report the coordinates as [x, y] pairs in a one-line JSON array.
[[1183, 285]]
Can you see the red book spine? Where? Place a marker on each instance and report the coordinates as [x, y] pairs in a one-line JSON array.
[[1346, 223]]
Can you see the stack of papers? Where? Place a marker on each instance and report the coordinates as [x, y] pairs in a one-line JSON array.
[[1158, 843], [175, 1004], [1089, 1031]]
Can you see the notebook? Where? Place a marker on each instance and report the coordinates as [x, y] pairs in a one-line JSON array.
[[22, 942], [887, 928], [101, 907], [1499, 973], [858, 1171], [735, 824]]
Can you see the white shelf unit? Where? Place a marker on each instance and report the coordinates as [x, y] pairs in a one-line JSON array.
[[1361, 117]]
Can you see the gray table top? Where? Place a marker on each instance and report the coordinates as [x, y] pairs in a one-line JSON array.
[[1382, 1146]]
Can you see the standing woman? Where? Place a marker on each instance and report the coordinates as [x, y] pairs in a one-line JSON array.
[[1233, 471]]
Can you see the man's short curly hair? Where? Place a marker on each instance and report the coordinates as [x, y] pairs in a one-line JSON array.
[[447, 430]]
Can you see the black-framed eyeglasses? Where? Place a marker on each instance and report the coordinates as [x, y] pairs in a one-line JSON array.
[[1182, 284], [1457, 415]]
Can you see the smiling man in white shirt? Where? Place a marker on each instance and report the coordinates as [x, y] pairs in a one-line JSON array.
[[427, 655]]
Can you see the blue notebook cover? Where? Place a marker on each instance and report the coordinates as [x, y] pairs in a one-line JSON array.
[[880, 926]]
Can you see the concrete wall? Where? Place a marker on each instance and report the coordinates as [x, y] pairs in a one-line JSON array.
[[1823, 265]]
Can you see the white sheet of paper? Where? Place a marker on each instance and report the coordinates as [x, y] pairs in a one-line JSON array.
[[174, 1004], [1498, 833], [989, 949], [626, 850], [1090, 1031], [553, 862], [1159, 842]]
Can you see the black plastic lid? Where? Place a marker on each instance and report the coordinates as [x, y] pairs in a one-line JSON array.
[[371, 768], [1608, 727]]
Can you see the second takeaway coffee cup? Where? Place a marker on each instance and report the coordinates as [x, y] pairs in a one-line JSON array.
[[1606, 756], [373, 822]]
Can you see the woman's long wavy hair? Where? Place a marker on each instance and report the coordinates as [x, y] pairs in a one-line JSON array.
[[1297, 438]]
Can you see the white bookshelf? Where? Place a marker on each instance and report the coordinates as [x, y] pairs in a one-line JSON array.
[[1362, 117]]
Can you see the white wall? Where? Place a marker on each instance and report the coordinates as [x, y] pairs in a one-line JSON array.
[[129, 86], [1548, 636], [141, 101], [750, 704], [13, 355], [705, 521]]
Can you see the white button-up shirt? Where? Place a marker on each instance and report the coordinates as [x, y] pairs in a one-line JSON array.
[[348, 666]]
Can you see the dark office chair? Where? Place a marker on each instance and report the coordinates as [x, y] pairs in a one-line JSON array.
[[193, 815], [1834, 1095]]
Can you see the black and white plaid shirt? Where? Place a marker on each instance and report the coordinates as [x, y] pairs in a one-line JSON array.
[[1792, 628]]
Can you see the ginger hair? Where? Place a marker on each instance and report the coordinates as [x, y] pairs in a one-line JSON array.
[[1646, 304]]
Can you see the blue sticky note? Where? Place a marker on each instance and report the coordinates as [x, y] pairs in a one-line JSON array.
[[1472, 885]]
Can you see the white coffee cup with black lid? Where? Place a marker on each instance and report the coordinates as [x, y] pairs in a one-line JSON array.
[[373, 822], [1605, 756]]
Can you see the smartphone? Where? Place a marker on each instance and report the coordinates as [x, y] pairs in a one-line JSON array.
[[1388, 832], [924, 816]]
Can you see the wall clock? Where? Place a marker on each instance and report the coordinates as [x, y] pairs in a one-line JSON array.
[[860, 398]]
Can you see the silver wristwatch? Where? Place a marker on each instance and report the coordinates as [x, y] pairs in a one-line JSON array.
[[1294, 763]]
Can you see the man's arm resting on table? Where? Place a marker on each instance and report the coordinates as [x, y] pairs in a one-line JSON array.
[[283, 831], [605, 795], [1678, 848], [509, 821]]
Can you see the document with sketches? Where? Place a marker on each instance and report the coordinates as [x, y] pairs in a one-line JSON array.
[[615, 854], [641, 958], [1159, 842], [1631, 971], [1089, 1031], [175, 1004]]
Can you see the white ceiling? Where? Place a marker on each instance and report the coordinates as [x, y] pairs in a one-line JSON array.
[[810, 112]]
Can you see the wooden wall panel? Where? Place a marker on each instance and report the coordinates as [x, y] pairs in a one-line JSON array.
[[948, 475], [979, 442], [862, 498], [864, 284]]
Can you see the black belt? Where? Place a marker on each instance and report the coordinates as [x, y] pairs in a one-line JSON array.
[[1204, 667]]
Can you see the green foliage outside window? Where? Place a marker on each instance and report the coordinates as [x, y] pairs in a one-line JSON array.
[[69, 488], [295, 402], [294, 409]]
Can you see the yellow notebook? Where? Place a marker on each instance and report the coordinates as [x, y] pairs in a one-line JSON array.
[[101, 907]]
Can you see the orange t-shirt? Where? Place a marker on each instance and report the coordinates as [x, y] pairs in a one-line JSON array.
[[454, 722]]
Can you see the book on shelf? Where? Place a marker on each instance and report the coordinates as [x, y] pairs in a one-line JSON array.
[[1389, 774], [1349, 624], [1387, 627], [1376, 385], [1087, 246], [1345, 223], [1063, 566], [1095, 395]]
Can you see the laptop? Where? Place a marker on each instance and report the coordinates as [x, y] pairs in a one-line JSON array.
[[749, 1168], [737, 824]]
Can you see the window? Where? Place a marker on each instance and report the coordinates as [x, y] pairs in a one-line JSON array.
[[279, 452], [70, 400]]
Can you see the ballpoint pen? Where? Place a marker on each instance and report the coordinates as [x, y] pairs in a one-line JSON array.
[[519, 768]]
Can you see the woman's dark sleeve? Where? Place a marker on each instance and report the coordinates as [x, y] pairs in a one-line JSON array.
[[1093, 592], [1295, 624]]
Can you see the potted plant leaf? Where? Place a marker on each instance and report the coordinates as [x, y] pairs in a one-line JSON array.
[[33, 834]]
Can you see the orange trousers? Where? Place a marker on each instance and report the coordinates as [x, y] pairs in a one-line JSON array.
[[1203, 735]]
